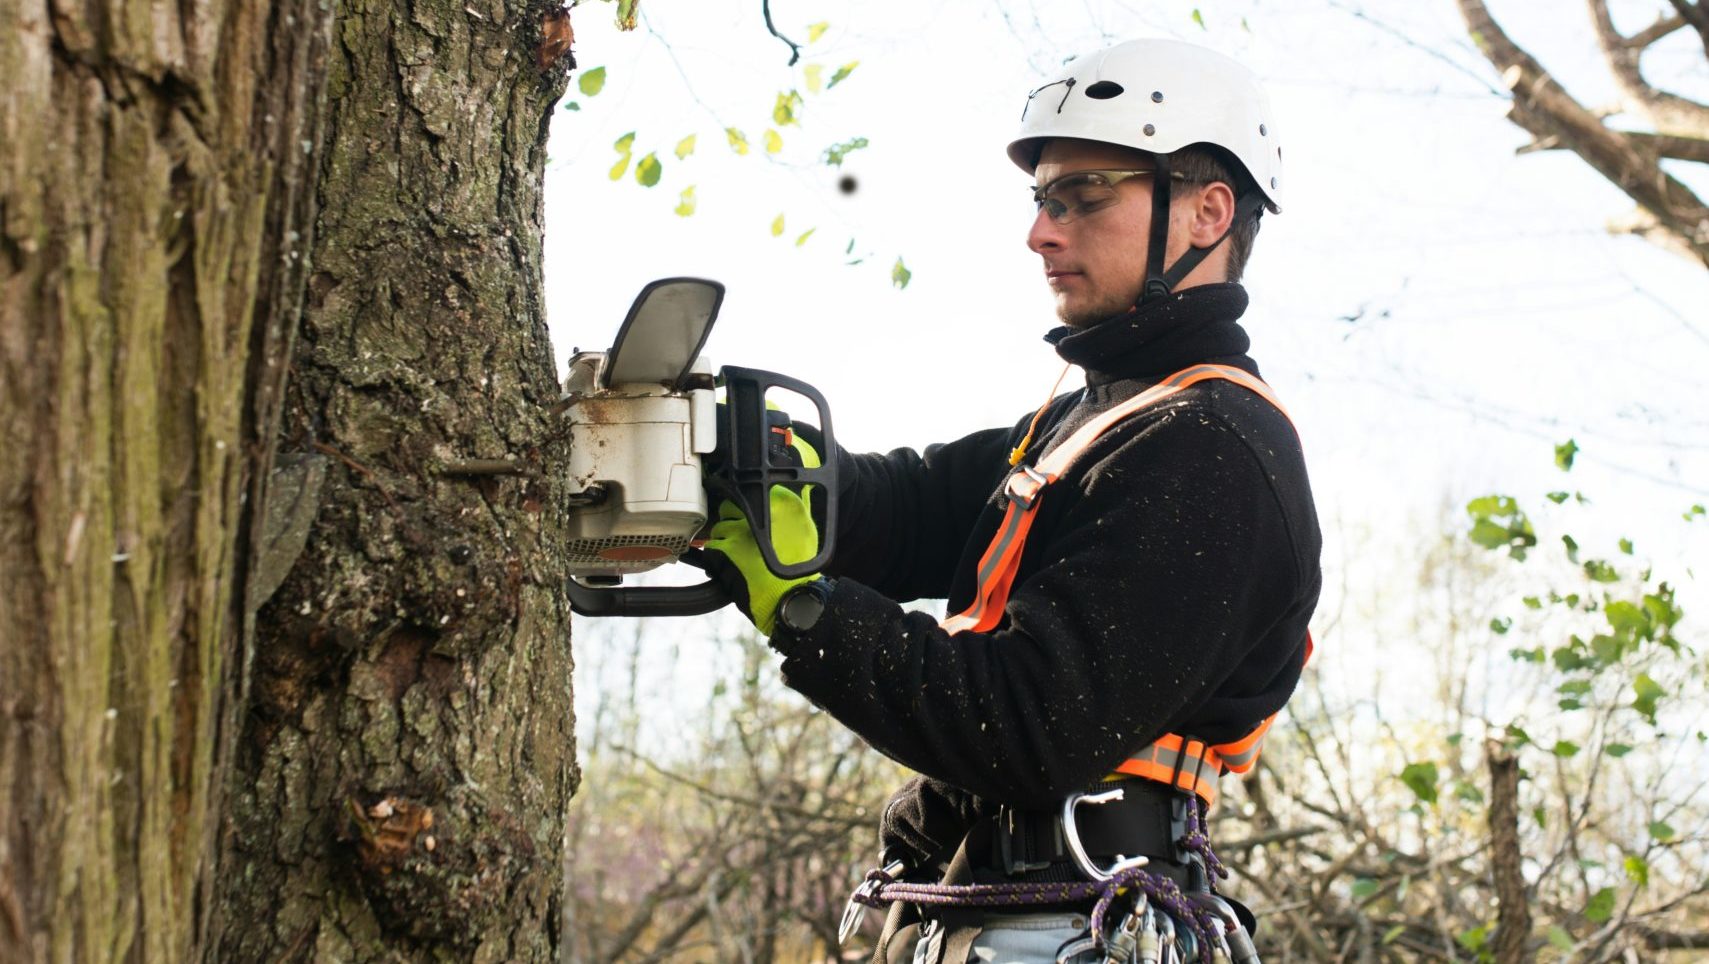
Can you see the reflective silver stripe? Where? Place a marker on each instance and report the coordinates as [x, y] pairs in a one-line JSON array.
[[1005, 535]]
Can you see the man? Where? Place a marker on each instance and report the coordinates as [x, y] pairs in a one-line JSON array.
[[1131, 598]]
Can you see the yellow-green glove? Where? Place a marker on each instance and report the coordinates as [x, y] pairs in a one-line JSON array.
[[739, 566]]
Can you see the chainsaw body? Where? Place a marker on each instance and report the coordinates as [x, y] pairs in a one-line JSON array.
[[651, 449]]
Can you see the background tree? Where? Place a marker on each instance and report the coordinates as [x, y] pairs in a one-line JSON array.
[[284, 664], [1669, 213]]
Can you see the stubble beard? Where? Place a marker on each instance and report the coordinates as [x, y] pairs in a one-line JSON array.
[[1087, 315]]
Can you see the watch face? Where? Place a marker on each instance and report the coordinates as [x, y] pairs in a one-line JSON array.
[[802, 607]]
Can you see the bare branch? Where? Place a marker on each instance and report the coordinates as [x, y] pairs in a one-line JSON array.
[[1513, 914], [1698, 16], [1670, 113], [1672, 145], [794, 48], [1542, 107], [1655, 32]]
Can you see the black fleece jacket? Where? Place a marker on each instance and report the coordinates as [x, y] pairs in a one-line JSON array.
[[1165, 586]]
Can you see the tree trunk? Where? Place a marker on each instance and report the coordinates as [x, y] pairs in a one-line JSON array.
[[194, 202]]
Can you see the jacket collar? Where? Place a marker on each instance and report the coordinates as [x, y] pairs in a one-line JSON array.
[[1200, 324]]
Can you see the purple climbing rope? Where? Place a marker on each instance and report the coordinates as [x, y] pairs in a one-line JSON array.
[[882, 889]]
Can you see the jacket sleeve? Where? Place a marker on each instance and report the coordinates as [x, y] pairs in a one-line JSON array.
[[903, 518], [1157, 580]]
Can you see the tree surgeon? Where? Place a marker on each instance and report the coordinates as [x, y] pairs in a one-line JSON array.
[[1130, 569]]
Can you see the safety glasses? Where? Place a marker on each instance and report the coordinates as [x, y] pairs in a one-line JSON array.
[[1082, 192]]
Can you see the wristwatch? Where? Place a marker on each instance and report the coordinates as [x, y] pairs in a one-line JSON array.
[[800, 608]]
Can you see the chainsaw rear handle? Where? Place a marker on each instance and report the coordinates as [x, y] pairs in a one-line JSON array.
[[699, 600], [743, 470]]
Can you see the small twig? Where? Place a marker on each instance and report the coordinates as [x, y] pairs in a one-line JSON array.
[[358, 468], [484, 467], [1655, 32], [794, 48]]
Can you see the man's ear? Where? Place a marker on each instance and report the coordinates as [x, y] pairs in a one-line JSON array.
[[1212, 213]]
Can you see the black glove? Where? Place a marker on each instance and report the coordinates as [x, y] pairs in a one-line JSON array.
[[924, 822]]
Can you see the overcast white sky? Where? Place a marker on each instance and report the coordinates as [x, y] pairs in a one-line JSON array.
[[1436, 311]]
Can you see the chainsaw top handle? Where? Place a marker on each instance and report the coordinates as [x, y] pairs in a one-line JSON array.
[[747, 464]]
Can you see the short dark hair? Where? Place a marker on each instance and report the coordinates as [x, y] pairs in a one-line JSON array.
[[1203, 164]]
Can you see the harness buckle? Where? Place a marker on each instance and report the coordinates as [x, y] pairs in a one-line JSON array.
[[1024, 485], [1077, 850], [855, 911]]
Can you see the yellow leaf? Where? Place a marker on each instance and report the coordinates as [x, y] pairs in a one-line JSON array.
[[814, 72], [685, 147], [817, 30], [804, 236], [773, 142], [686, 203], [738, 140], [619, 168], [777, 226], [842, 73]]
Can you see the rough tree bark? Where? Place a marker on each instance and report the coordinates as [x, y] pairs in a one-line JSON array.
[[201, 205]]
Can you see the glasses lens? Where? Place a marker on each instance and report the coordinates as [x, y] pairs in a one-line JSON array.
[[1074, 195]]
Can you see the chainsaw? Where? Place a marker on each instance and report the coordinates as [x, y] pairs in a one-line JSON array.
[[651, 448]]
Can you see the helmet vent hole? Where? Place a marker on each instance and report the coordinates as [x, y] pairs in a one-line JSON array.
[[1104, 90], [1157, 97], [1150, 129], [1263, 131]]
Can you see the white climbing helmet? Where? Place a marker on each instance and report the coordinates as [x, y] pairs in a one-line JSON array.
[[1158, 96]]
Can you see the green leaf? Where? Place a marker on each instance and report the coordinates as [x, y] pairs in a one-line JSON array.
[[773, 142], [1637, 869], [1473, 939], [834, 154], [1500, 626], [1626, 546], [591, 82], [816, 30], [900, 275], [648, 170], [850, 249], [1617, 750], [1532, 602], [1393, 934], [685, 147], [572, 105], [1489, 535], [1421, 778], [777, 226], [814, 74], [1516, 735], [1564, 455], [1574, 687], [804, 236], [1660, 830], [1649, 693], [626, 14], [624, 143], [1558, 497], [1363, 888], [783, 112], [1601, 906], [1600, 571], [738, 140], [686, 202], [1565, 749], [1695, 512], [1541, 817], [842, 73], [1199, 19], [1572, 547], [1560, 938]]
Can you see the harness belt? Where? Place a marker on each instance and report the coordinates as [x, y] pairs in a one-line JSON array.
[[1180, 761]]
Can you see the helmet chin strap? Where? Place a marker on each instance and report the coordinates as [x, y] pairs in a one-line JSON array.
[[1158, 282]]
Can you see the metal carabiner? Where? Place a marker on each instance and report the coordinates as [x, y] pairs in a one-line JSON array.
[[1239, 946], [1074, 948], [1077, 850], [855, 911]]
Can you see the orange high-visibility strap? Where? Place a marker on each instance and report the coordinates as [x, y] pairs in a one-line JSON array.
[[1189, 764]]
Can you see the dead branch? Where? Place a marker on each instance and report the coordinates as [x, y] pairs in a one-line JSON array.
[[1698, 16], [1543, 108], [1670, 113], [1513, 907]]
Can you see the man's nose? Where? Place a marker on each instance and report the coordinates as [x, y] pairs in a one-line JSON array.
[[1046, 235]]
